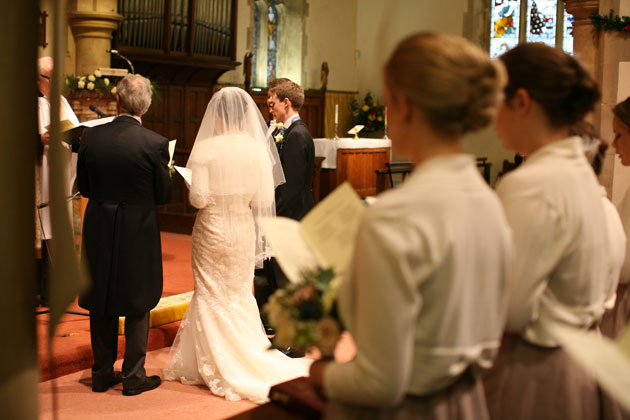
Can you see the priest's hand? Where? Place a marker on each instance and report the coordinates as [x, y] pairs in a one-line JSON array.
[[45, 137]]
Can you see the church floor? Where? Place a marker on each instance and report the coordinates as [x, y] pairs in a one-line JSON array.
[[71, 344]]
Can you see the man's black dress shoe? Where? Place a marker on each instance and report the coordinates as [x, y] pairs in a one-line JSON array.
[[102, 387], [269, 330], [151, 382]]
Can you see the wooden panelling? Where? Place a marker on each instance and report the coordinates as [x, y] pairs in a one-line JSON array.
[[342, 99], [356, 166]]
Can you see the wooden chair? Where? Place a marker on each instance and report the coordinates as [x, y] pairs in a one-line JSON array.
[[392, 168], [484, 165]]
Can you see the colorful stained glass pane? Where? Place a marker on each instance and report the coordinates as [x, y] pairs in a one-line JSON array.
[[567, 39], [541, 21], [256, 35], [272, 46], [504, 25]]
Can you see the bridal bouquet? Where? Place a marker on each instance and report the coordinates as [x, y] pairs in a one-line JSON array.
[[303, 314]]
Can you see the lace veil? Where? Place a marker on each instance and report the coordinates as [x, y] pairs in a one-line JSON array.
[[235, 164]]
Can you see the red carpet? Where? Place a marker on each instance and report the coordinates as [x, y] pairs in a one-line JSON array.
[[71, 344]]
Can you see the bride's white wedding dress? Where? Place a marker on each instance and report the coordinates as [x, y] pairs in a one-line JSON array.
[[221, 342]]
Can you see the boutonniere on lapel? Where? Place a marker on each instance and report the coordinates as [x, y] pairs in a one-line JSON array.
[[279, 137]]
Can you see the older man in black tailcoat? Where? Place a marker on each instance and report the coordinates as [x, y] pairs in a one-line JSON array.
[[123, 169]]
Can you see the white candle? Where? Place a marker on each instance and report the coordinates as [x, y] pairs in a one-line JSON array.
[[336, 113], [385, 112]]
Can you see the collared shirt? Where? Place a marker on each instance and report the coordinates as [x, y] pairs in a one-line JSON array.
[[426, 293], [124, 114], [288, 122], [554, 206]]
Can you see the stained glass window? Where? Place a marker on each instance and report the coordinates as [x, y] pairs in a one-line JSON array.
[[514, 21], [272, 46], [541, 21], [504, 25], [567, 38], [255, 47]]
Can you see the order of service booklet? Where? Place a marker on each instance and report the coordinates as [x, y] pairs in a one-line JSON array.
[[608, 361], [323, 238]]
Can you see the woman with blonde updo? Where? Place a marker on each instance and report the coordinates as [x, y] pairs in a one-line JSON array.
[[425, 296], [553, 204], [619, 318]]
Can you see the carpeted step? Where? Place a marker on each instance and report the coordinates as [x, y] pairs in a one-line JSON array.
[[169, 309]]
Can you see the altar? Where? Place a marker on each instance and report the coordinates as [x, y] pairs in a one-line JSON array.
[[351, 160]]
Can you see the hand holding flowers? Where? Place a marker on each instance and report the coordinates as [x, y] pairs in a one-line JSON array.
[[303, 314]]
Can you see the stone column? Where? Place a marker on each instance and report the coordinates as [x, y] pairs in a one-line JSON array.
[[92, 23]]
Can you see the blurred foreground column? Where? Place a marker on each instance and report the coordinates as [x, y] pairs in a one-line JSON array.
[[18, 118]]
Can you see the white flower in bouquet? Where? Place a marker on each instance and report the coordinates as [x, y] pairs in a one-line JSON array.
[[279, 138], [90, 86], [81, 84], [113, 91], [97, 73], [82, 78], [279, 125], [106, 81], [91, 78]]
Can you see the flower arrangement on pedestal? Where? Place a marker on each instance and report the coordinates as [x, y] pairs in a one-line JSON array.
[[369, 113], [87, 83], [303, 314], [95, 84]]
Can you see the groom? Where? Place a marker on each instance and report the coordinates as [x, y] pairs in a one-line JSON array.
[[296, 149]]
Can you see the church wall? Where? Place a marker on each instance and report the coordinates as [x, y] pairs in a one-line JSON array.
[[331, 29], [245, 21], [69, 62]]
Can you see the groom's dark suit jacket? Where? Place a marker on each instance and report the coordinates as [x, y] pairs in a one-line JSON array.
[[123, 169], [297, 154]]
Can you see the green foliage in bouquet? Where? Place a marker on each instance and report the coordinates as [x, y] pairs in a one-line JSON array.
[[368, 113], [303, 314]]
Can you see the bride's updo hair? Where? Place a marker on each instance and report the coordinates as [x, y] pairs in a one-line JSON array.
[[554, 79], [452, 80]]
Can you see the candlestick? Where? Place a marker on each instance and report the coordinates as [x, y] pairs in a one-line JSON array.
[[336, 113], [385, 112]]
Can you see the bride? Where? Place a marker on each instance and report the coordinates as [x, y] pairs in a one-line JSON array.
[[221, 342]]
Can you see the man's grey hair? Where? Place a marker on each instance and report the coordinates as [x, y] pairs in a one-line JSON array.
[[134, 93]]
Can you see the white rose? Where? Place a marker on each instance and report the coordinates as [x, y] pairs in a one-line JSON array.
[[279, 138], [82, 78], [80, 84], [97, 73], [279, 126], [106, 81], [113, 91], [90, 86], [91, 78]]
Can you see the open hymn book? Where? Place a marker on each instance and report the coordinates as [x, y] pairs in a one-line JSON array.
[[323, 238]]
